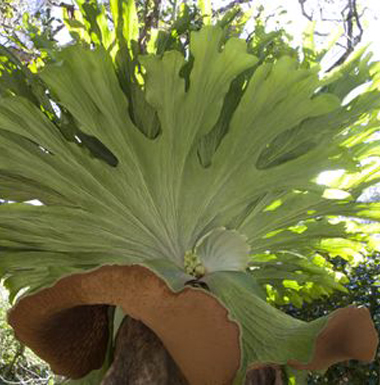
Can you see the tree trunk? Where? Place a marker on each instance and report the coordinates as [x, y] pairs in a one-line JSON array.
[[141, 359], [267, 375]]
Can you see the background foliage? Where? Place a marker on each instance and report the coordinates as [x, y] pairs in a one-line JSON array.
[[18, 364], [363, 289]]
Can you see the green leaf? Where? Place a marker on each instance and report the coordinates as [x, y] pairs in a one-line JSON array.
[[95, 19], [223, 250], [267, 334], [205, 8], [124, 16], [296, 377]]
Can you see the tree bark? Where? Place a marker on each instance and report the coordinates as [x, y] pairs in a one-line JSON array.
[[140, 359], [267, 375]]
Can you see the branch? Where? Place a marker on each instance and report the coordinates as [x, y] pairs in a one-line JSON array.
[[151, 18], [69, 7], [156, 13], [303, 10], [19, 353], [353, 40], [230, 6], [322, 34], [357, 19]]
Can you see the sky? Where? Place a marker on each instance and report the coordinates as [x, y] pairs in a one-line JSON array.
[[295, 23]]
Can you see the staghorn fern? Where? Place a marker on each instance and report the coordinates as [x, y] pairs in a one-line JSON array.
[[193, 168]]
